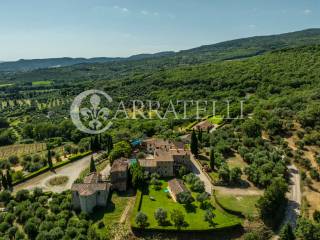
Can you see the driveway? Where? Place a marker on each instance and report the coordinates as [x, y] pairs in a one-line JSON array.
[[71, 170], [197, 170]]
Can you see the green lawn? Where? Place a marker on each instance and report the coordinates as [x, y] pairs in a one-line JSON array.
[[194, 218], [6, 85], [37, 83], [239, 203], [217, 119], [111, 214]]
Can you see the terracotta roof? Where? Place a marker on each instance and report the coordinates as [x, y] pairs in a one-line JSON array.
[[119, 165], [164, 144], [92, 178], [87, 189], [163, 155], [177, 186]]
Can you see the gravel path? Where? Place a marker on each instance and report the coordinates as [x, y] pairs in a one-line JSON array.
[[71, 170]]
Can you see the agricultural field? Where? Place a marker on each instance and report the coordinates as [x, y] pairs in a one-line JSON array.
[[21, 149]]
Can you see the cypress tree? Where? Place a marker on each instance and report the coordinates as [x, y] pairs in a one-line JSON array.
[[50, 164], [109, 143], [286, 233], [4, 181], [92, 165], [9, 180], [194, 144], [91, 145], [200, 135], [212, 159]]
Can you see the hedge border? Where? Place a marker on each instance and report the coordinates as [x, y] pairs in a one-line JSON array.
[[58, 165]]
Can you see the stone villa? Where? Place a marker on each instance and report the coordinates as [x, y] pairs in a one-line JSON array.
[[164, 157], [119, 174], [93, 192]]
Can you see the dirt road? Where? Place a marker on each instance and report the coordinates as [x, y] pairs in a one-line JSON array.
[[294, 197], [71, 170]]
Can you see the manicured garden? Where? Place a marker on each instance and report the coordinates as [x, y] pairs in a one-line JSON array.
[[194, 215]]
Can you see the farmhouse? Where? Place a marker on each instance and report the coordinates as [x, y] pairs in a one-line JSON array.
[[91, 193], [165, 157], [175, 187], [119, 174]]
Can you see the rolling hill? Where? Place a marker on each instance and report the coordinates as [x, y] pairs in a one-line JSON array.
[[228, 50]]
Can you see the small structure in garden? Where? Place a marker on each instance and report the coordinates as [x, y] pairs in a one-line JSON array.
[[119, 174], [175, 187], [91, 193]]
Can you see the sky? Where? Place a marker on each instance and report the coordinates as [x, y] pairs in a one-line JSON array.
[[114, 28]]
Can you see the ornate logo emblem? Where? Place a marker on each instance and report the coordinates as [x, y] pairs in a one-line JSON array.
[[93, 119]]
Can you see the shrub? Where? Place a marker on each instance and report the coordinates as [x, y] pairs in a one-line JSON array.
[[141, 219], [178, 218], [161, 216], [185, 198], [198, 186], [22, 195]]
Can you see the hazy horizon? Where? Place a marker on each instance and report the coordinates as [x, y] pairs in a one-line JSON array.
[[42, 29]]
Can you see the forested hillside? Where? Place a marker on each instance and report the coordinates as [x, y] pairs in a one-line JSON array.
[[234, 49]]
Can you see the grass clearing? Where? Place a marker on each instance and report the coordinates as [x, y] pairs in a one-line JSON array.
[[6, 85], [110, 215], [217, 119], [236, 161], [41, 83], [239, 203], [194, 216]]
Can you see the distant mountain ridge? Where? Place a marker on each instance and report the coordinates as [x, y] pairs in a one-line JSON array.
[[228, 50], [33, 64]]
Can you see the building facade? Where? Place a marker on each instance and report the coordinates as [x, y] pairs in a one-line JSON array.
[[93, 192], [164, 157], [119, 174]]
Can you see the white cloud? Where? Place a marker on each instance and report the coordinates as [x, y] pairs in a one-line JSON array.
[[122, 9], [144, 12], [307, 11]]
